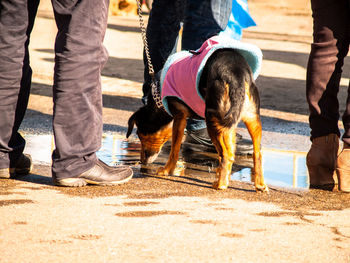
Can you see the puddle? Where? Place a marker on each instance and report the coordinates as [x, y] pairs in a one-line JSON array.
[[281, 168]]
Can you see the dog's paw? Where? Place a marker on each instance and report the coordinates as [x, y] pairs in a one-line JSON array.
[[163, 171], [262, 189], [219, 186]]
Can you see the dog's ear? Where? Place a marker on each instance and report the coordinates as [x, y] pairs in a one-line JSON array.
[[131, 124]]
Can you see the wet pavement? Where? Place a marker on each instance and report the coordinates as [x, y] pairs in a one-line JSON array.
[[174, 218], [281, 168], [285, 173], [178, 218]]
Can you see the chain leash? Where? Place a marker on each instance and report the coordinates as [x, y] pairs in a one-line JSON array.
[[154, 84], [144, 39]]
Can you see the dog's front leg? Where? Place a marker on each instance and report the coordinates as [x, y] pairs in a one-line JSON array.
[[224, 140], [179, 125]]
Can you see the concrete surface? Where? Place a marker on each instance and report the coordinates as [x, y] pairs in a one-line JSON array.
[[176, 219]]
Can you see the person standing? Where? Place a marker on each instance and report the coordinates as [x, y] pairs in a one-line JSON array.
[[331, 39], [77, 96]]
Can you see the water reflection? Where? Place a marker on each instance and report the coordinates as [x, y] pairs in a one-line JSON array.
[[281, 168], [115, 151]]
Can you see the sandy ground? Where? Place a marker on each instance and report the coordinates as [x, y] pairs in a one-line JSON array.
[[177, 219]]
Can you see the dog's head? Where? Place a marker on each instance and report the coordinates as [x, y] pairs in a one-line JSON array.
[[154, 128]]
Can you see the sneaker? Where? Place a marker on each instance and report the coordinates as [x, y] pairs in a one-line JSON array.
[[23, 166], [201, 136], [99, 174]]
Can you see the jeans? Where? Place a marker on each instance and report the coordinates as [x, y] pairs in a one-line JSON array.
[[200, 19]]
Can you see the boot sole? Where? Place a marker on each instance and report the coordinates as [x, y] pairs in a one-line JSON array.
[[314, 171], [79, 182]]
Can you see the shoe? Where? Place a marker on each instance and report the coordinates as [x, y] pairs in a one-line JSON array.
[[23, 166], [321, 161], [343, 169], [201, 136], [99, 174]]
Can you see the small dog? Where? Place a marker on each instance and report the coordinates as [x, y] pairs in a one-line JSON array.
[[227, 87]]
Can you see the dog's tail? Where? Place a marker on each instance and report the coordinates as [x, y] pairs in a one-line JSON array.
[[228, 78]]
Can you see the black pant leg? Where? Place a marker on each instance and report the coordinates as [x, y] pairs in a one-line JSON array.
[[16, 23], [162, 31], [326, 59]]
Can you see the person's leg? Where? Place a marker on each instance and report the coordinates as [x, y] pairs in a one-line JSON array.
[[325, 66], [164, 25], [343, 160], [16, 23], [162, 31], [202, 20], [322, 85], [77, 118]]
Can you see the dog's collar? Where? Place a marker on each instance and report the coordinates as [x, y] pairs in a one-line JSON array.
[[156, 94]]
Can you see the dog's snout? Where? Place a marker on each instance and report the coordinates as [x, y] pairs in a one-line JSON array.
[[148, 156]]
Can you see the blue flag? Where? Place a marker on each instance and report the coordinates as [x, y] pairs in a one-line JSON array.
[[239, 19]]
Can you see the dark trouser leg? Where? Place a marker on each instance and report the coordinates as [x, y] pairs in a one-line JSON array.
[[16, 23], [201, 23], [331, 44], [80, 57], [202, 20], [162, 31]]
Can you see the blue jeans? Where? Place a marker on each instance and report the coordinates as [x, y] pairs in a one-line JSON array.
[[200, 19]]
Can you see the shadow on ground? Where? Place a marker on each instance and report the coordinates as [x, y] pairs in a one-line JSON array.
[[145, 186]]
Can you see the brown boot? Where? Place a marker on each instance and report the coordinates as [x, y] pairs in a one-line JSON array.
[[343, 169], [321, 161]]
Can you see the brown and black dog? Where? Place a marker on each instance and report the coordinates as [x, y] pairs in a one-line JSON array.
[[230, 94]]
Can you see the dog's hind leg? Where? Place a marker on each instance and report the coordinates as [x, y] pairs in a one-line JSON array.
[[254, 128], [224, 140], [253, 123], [251, 118]]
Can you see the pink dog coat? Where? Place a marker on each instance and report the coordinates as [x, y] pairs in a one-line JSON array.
[[182, 71]]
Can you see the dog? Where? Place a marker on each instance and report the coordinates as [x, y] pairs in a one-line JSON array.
[[229, 94]]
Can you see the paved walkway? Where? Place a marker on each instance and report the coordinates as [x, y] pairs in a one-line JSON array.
[[175, 219]]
